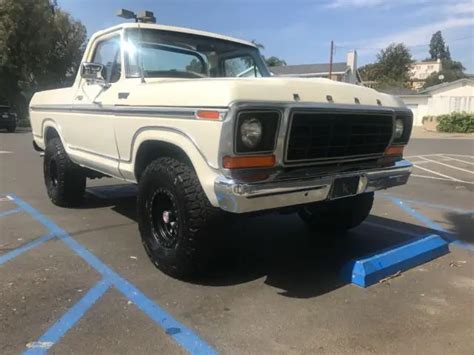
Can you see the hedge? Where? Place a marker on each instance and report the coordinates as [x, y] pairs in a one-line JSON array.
[[456, 122]]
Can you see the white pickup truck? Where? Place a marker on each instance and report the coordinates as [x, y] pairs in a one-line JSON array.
[[198, 122]]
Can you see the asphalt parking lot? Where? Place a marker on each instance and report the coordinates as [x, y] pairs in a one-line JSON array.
[[79, 281]]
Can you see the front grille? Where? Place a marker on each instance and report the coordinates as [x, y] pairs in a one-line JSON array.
[[336, 136]]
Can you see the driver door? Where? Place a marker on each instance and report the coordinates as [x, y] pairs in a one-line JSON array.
[[94, 136]]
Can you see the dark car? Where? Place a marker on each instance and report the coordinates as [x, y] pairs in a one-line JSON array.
[[7, 119]]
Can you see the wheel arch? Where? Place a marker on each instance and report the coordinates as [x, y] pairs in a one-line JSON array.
[[51, 130], [151, 145], [151, 149]]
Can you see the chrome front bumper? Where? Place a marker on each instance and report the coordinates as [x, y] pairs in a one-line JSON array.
[[239, 197]]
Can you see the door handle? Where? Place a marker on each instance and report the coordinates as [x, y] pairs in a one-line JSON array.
[[79, 97], [123, 95]]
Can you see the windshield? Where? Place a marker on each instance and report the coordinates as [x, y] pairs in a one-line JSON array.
[[183, 55]]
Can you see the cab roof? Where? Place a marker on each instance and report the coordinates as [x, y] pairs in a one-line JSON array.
[[172, 29]]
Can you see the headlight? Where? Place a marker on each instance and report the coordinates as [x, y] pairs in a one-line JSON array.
[[256, 131], [251, 132], [399, 128]]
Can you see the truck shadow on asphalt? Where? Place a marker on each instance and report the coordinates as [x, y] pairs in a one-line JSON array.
[[463, 224], [280, 248]]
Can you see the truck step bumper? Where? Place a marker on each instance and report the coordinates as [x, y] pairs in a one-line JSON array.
[[240, 197]]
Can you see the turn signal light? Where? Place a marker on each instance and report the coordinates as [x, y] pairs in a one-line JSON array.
[[256, 161], [208, 115], [395, 150]]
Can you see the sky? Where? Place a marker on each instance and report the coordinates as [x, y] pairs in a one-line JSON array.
[[300, 31]]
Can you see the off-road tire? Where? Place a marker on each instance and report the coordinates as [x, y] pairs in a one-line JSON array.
[[184, 251], [338, 216], [65, 181], [11, 129]]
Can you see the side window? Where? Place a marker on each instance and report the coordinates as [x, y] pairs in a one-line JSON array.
[[241, 67], [107, 53]]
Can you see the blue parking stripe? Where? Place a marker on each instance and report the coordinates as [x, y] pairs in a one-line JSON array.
[[179, 332], [33, 244], [431, 224], [10, 212], [69, 319]]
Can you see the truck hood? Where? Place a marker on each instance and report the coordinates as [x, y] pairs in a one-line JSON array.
[[221, 92]]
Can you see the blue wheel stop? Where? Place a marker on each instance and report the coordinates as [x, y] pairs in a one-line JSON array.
[[371, 269]]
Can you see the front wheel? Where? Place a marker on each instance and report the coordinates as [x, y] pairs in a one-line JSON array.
[[338, 215], [65, 181], [175, 218]]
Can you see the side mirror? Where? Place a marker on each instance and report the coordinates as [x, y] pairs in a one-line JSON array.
[[93, 73]]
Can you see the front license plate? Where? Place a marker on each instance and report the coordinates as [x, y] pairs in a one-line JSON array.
[[346, 186]]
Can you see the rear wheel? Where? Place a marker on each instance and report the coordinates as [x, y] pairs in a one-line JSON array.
[[338, 215], [65, 181], [11, 129], [175, 218]]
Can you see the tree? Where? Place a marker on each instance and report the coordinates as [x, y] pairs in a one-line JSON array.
[[450, 71], [274, 62], [41, 47], [393, 66], [438, 48], [370, 72], [448, 53]]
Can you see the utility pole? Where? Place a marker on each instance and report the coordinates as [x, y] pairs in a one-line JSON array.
[[330, 60]]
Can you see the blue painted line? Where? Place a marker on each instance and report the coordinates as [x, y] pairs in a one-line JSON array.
[[53, 228], [69, 319], [183, 335], [429, 204], [431, 224], [370, 270], [179, 332], [9, 212], [23, 249]]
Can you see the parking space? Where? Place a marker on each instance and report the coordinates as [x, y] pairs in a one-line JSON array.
[[444, 167], [79, 281]]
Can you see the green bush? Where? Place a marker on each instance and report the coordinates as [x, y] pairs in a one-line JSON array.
[[456, 122]]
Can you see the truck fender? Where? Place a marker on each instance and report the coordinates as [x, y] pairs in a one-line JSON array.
[[206, 173], [46, 125]]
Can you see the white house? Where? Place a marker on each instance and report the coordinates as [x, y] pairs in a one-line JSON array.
[[456, 96], [420, 71]]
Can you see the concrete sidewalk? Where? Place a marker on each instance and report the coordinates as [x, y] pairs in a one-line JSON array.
[[421, 133]]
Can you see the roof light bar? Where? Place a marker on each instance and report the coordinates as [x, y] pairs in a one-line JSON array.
[[142, 16]]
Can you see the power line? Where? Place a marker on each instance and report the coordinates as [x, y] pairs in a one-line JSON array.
[[409, 46]]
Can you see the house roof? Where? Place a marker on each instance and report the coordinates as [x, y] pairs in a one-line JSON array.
[[398, 91], [443, 85], [309, 69]]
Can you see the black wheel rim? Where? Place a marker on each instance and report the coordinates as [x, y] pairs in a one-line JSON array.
[[53, 172], [164, 218]]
